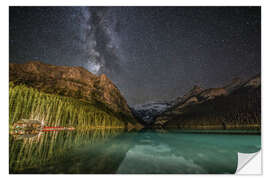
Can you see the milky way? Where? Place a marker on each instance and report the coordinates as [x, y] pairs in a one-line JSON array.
[[150, 53]]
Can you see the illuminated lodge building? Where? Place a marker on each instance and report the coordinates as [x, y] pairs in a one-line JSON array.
[[27, 124]]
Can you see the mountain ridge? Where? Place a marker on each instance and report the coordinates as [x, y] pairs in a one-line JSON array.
[[195, 110], [70, 81]]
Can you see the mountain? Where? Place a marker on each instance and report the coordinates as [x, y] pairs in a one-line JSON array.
[[146, 113], [195, 90], [236, 83], [73, 82], [234, 106]]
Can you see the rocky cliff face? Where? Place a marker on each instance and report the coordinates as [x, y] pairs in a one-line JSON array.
[[236, 83], [234, 106], [179, 100], [68, 81]]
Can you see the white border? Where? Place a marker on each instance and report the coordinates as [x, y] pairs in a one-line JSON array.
[[137, 2], [4, 76]]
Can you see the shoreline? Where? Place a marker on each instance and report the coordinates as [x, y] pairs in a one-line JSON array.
[[243, 132]]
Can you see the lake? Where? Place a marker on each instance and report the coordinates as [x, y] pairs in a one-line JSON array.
[[116, 151]]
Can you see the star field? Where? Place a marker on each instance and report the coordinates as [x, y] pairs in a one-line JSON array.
[[150, 53]]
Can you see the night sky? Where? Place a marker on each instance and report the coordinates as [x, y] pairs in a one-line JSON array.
[[150, 53]]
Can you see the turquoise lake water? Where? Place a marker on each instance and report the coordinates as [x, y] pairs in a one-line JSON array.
[[116, 151]]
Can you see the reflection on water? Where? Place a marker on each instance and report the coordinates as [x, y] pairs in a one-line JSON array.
[[184, 153], [115, 151], [32, 152]]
